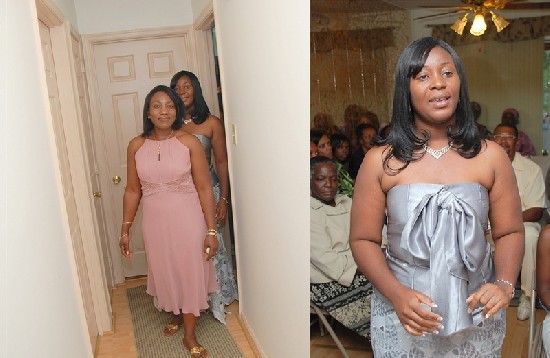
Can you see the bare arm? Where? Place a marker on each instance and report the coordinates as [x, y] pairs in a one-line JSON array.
[[507, 231], [201, 179], [532, 214], [132, 196], [220, 156]]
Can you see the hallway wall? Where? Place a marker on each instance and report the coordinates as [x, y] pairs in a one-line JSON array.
[[41, 304], [264, 61]]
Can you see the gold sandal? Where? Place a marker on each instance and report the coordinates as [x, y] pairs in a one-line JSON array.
[[197, 350], [171, 329]]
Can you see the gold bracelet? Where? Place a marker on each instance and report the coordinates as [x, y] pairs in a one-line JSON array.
[[224, 199], [125, 234], [210, 233], [127, 222]]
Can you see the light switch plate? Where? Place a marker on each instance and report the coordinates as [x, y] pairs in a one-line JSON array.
[[234, 133]]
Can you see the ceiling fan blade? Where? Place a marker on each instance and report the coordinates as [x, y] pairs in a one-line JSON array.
[[440, 14], [439, 7]]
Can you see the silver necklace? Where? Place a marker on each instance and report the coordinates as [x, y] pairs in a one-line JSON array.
[[187, 121], [436, 153]]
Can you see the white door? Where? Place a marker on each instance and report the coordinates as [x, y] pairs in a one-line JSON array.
[[126, 67], [93, 170], [68, 190]]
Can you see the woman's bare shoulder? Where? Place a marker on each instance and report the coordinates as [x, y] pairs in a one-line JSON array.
[[136, 143], [492, 151], [214, 122], [374, 160], [378, 152], [186, 138]]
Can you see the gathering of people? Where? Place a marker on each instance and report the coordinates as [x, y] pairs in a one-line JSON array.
[[437, 198], [177, 171]]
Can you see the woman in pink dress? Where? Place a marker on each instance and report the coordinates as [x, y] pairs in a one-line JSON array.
[[168, 174]]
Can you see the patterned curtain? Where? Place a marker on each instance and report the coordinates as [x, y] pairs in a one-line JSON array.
[[350, 67]]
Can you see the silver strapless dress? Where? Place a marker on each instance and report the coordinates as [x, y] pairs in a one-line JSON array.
[[437, 245]]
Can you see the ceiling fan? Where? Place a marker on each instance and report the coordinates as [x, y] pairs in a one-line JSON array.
[[479, 9]]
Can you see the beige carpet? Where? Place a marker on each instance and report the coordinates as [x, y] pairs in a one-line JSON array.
[[149, 322]]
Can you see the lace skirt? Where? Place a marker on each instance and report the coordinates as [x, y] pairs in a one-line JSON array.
[[389, 338]]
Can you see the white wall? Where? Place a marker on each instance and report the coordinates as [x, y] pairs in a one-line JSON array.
[[67, 7], [41, 299], [264, 59], [109, 16], [198, 6]]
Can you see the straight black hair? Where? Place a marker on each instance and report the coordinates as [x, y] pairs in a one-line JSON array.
[[405, 144], [200, 111], [148, 126]]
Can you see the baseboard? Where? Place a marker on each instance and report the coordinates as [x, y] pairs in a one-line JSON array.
[[252, 341]]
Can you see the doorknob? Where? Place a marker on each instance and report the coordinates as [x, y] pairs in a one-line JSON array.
[[116, 179], [97, 194]]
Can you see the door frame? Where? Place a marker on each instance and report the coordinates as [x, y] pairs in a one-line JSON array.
[[62, 34]]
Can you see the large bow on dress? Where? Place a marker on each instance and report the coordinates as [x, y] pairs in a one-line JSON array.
[[445, 237]]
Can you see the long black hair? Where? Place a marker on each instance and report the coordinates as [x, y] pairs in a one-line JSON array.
[[200, 111], [148, 125], [405, 144]]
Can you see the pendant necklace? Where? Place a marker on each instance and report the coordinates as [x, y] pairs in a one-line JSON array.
[[187, 121], [436, 153], [158, 143]]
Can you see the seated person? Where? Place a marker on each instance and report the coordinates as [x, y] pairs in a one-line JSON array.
[[322, 141], [531, 191], [483, 131], [368, 117], [524, 145], [340, 148], [366, 133], [312, 149], [323, 122], [340, 151], [351, 115], [335, 283], [543, 282]]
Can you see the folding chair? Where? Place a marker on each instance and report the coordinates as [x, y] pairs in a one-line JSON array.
[[321, 314]]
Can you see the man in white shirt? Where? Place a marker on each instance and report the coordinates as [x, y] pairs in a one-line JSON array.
[[531, 191]]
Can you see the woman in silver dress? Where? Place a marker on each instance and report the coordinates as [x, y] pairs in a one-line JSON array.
[[439, 292], [210, 131]]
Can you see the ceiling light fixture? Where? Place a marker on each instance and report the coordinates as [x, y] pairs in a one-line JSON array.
[[479, 25], [459, 24], [499, 21]]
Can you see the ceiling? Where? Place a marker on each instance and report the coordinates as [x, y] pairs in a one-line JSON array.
[[366, 6], [350, 6]]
